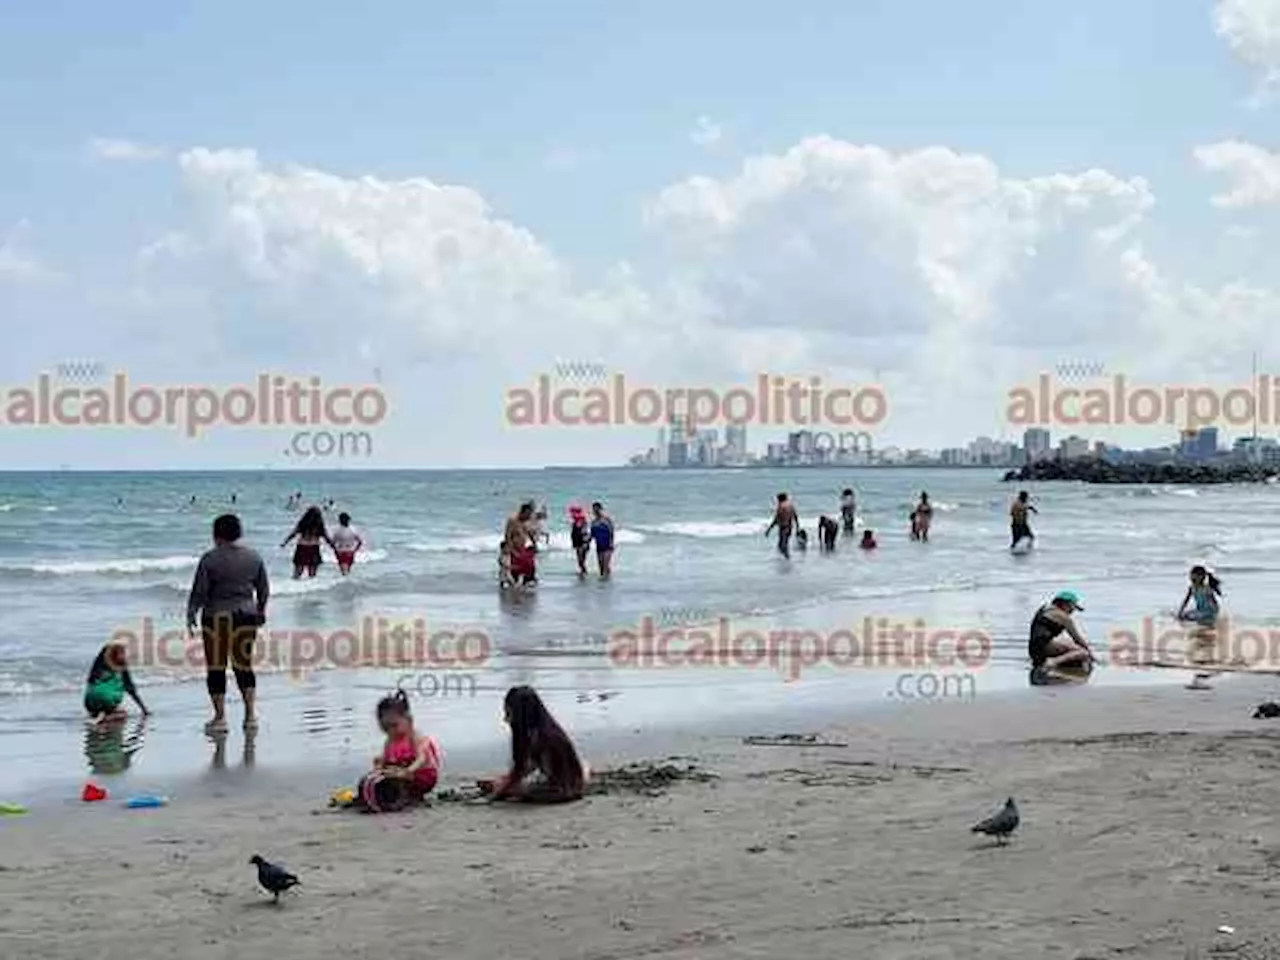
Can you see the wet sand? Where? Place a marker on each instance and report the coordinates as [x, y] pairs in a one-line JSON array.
[[1149, 822]]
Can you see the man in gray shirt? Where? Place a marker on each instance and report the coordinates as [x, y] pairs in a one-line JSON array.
[[229, 593]]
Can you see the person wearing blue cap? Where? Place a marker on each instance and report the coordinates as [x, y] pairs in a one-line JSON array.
[[1047, 646]]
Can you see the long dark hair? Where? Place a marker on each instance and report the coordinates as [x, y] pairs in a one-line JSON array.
[[1214, 583], [311, 523], [539, 743]]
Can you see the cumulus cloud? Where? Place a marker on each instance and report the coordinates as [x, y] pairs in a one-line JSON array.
[[1252, 173], [117, 149], [931, 271], [1251, 29], [706, 132], [859, 241]]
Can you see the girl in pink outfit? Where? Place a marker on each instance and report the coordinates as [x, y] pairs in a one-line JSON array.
[[408, 767]]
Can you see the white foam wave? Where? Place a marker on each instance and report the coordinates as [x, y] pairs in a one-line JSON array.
[[488, 542], [129, 565], [708, 529]]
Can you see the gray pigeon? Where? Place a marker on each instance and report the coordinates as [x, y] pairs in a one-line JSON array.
[[1002, 825], [275, 880]]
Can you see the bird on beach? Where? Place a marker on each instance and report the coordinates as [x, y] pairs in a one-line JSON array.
[[275, 880], [1002, 825]]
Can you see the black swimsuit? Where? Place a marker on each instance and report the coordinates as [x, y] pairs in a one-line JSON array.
[[1043, 630]]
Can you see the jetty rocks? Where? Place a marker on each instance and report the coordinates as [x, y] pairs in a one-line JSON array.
[[1093, 470]]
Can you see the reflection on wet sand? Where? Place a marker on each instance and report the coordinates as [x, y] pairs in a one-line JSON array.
[[247, 759], [109, 747], [1045, 677]]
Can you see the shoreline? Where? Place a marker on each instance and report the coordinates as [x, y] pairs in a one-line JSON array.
[[320, 731], [1146, 828]]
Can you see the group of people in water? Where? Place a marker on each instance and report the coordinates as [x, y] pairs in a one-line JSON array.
[[227, 604], [230, 591], [525, 534]]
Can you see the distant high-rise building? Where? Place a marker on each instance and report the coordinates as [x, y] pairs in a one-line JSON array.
[[677, 454], [735, 441], [1073, 448], [1037, 443], [705, 447]]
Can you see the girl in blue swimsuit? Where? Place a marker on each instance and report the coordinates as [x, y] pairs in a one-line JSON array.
[[1205, 591], [602, 534]]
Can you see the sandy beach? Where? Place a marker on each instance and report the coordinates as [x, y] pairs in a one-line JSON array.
[[1148, 824]]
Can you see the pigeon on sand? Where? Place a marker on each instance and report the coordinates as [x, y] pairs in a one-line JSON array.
[[1002, 825], [275, 880]]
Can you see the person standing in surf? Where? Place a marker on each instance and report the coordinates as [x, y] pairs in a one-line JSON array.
[[579, 537], [1019, 529], [922, 518], [848, 511], [229, 594], [602, 534], [310, 532], [785, 520], [346, 544], [520, 546]]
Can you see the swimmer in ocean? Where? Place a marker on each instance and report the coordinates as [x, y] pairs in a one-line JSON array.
[[1019, 529], [848, 512], [784, 520]]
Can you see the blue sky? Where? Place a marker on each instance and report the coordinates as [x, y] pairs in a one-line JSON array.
[[570, 120]]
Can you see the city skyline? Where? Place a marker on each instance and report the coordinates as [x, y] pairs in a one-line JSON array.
[[805, 448]]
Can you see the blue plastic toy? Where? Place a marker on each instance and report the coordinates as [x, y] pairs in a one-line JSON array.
[[145, 802]]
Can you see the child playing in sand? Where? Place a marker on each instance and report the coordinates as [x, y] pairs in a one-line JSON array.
[[346, 543], [108, 682], [409, 765], [544, 765], [1205, 590]]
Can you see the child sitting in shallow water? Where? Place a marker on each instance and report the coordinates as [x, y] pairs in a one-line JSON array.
[[409, 765], [107, 684]]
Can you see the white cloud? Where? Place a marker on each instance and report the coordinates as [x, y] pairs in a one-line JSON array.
[[1252, 30], [1252, 173], [114, 148], [706, 132], [932, 270], [859, 241]]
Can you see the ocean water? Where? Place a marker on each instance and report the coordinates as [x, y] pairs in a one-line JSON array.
[[85, 556]]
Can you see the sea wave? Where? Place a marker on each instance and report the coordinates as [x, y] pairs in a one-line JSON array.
[[707, 529], [488, 542], [127, 566]]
